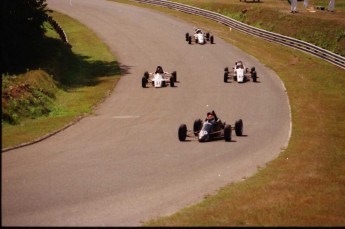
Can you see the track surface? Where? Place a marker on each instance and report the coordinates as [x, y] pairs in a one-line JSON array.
[[125, 164]]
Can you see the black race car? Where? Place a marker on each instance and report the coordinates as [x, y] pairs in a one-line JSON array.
[[211, 128]]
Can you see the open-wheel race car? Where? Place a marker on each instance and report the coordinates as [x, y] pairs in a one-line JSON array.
[[199, 37], [211, 128], [240, 73], [159, 78]]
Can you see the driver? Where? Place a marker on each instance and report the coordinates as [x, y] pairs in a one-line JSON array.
[[197, 31], [212, 117], [159, 70], [239, 64]]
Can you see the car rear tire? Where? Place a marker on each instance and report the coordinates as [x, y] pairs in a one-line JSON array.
[[187, 36], [254, 75], [212, 40], [174, 74], [182, 132], [197, 126], [146, 75], [190, 40], [225, 77], [172, 81], [239, 127], [227, 133]]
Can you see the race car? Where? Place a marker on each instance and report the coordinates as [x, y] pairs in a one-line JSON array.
[[240, 73], [210, 129], [158, 79], [199, 37]]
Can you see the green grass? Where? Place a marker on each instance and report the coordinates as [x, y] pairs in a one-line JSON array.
[[305, 185], [83, 76]]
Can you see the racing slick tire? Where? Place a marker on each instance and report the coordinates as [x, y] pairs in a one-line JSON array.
[[172, 80], [182, 132], [187, 36], [190, 40], [208, 36], [174, 74], [197, 126], [239, 127], [226, 69], [143, 82], [212, 40], [225, 77], [227, 133], [254, 75], [146, 75]]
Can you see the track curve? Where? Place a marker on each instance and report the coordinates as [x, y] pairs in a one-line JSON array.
[[125, 164]]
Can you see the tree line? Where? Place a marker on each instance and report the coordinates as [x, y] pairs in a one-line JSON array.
[[22, 29]]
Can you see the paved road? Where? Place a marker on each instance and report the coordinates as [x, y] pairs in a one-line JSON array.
[[125, 164]]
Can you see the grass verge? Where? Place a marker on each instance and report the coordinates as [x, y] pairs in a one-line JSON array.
[[83, 76], [305, 185]]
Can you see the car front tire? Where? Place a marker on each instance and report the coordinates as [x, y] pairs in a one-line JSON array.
[[182, 132], [239, 127], [143, 82], [227, 133]]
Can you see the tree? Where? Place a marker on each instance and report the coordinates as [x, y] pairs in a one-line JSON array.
[[22, 27]]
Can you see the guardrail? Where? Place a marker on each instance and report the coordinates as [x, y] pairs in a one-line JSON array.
[[324, 54]]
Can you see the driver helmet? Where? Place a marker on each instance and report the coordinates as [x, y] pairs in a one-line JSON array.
[[210, 117], [159, 69]]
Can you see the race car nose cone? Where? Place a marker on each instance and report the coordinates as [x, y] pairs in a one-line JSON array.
[[203, 138]]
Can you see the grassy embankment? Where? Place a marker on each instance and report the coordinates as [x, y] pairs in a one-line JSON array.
[[66, 84], [305, 185]]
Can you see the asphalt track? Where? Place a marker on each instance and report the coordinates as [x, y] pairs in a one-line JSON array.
[[125, 165]]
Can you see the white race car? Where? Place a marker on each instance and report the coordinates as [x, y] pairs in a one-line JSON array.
[[240, 73], [199, 37], [158, 80]]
